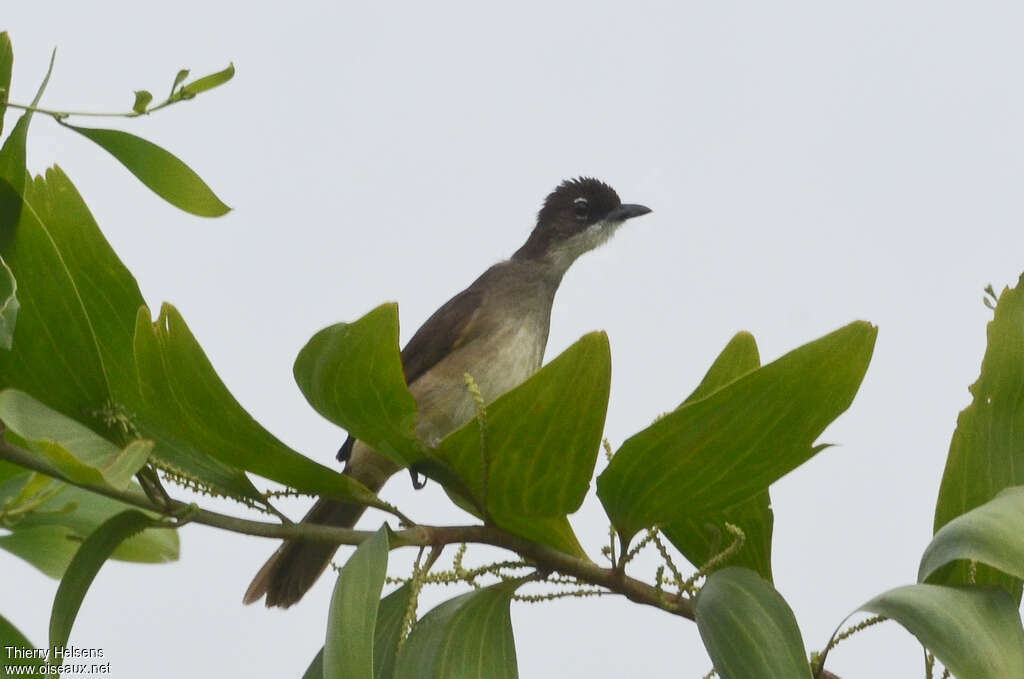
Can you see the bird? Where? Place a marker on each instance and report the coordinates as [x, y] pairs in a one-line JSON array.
[[495, 330]]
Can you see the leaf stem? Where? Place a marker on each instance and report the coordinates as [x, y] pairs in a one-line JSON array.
[[62, 115]]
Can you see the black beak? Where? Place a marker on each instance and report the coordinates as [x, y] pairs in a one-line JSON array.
[[627, 211]]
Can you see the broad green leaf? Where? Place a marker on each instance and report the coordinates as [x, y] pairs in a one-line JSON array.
[[316, 666], [160, 170], [700, 539], [990, 534], [48, 548], [81, 512], [723, 449], [78, 303], [541, 439], [23, 492], [390, 614], [352, 622], [351, 373], [43, 530], [974, 631], [748, 629], [142, 99], [208, 82], [79, 319], [74, 343], [9, 470], [9, 304], [552, 531], [11, 637], [180, 392], [74, 449], [6, 64], [469, 637], [93, 553], [986, 453], [739, 357], [52, 453]]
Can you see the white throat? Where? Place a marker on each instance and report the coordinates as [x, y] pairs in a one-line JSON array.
[[562, 256]]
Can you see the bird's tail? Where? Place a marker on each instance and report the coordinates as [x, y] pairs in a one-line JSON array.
[[295, 566]]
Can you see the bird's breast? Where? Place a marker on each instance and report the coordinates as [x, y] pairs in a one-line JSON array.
[[498, 361]]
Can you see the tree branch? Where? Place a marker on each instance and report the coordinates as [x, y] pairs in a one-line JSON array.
[[546, 558]]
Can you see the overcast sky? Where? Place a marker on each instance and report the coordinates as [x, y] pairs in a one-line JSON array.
[[808, 164]]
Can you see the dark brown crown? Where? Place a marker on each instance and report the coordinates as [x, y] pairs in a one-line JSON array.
[[569, 209]]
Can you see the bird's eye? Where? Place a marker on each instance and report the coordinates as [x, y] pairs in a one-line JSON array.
[[581, 208]]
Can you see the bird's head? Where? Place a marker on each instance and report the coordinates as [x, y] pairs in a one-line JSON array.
[[577, 217]]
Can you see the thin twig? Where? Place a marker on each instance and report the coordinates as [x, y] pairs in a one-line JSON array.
[[60, 116]]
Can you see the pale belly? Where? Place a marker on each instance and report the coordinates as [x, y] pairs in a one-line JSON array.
[[498, 364]]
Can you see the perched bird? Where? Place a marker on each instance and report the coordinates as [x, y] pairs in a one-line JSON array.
[[495, 330]]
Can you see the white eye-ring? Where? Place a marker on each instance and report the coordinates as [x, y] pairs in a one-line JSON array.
[[581, 208]]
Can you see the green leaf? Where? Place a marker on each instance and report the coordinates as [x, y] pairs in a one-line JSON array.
[[93, 553], [160, 170], [986, 453], [8, 304], [46, 81], [974, 631], [79, 318], [552, 531], [178, 79], [351, 373], [725, 448], [83, 512], [142, 99], [748, 629], [12, 156], [468, 637], [8, 473], [700, 539], [11, 636], [542, 438], [13, 173], [74, 449], [390, 614], [989, 534], [79, 302], [352, 622], [739, 357], [207, 82], [23, 492], [178, 385], [48, 548], [316, 666], [12, 182], [6, 64]]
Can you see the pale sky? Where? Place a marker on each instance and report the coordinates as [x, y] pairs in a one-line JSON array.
[[808, 164]]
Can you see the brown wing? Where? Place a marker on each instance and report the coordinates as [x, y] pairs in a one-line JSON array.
[[445, 330]]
